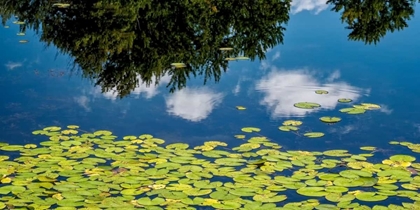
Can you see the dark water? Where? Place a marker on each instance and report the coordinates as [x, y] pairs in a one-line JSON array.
[[39, 89]]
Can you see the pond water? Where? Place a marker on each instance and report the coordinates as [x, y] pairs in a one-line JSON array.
[[40, 88]]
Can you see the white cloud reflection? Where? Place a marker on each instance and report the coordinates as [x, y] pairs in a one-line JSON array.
[[83, 101], [12, 65], [193, 104], [283, 88], [311, 5], [142, 89]]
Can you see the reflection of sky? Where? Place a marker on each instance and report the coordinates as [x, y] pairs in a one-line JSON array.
[[315, 55], [193, 104], [283, 88]]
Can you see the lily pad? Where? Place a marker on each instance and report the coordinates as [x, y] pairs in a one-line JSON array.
[[344, 100], [240, 108], [292, 123], [250, 129], [288, 128], [353, 110], [307, 105], [405, 158], [314, 134], [330, 119], [321, 92], [146, 201], [370, 196]]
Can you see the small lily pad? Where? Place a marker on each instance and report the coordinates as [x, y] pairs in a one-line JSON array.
[[330, 119], [292, 123], [178, 65], [307, 105], [370, 196], [250, 129], [314, 134], [344, 100], [240, 108], [321, 92]]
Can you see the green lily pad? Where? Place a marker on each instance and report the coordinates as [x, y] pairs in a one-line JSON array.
[[353, 110], [307, 105], [314, 134], [330, 119], [402, 158], [312, 191], [178, 65], [288, 128], [250, 129], [344, 100], [146, 201], [370, 196], [227, 205], [321, 92]]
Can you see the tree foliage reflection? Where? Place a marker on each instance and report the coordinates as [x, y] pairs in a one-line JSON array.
[[119, 44]]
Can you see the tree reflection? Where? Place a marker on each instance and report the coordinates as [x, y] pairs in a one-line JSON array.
[[370, 20], [120, 43]]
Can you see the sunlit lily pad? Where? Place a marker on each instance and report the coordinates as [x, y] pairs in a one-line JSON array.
[[404, 158], [344, 100], [353, 110], [227, 205], [292, 123], [225, 48], [240, 108], [314, 134], [178, 65], [370, 196], [307, 105], [321, 92], [330, 119], [150, 202], [250, 129], [288, 128], [312, 191], [370, 106]]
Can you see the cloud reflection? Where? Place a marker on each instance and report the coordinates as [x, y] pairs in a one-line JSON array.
[[12, 65], [310, 5], [142, 89], [283, 88], [193, 104]]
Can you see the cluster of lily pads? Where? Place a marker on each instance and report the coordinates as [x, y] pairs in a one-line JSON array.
[[98, 170]]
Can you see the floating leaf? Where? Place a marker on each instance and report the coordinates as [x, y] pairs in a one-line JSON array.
[[330, 119], [370, 106], [312, 191], [344, 100], [178, 65], [370, 196], [321, 92], [288, 128], [150, 202], [353, 110], [307, 105], [250, 129], [292, 123], [240, 107], [404, 158], [314, 134], [225, 48]]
